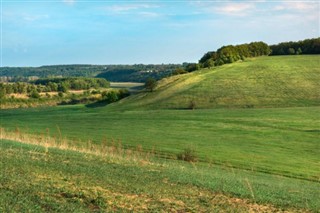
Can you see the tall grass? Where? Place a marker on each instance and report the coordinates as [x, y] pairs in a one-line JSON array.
[[111, 149], [35, 179]]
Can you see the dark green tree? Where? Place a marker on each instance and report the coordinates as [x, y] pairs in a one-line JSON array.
[[150, 84], [209, 63], [63, 87], [190, 67], [307, 46], [34, 94]]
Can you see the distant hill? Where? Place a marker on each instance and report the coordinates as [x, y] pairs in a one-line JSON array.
[[116, 73], [278, 81]]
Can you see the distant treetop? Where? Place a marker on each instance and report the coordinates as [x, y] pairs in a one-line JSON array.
[[307, 46], [229, 54], [232, 53]]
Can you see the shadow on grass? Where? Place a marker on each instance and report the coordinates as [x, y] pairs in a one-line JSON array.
[[97, 104], [312, 130], [136, 89]]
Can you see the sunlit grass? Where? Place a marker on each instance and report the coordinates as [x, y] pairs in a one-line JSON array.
[[38, 179], [278, 81]]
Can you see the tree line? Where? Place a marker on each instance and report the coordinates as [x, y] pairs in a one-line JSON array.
[[64, 84], [231, 53], [141, 72], [307, 46], [52, 85]]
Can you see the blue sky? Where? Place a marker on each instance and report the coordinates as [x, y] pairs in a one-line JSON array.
[[36, 33]]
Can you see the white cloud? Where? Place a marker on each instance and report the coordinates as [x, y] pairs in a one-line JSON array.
[[22, 18], [238, 9], [226, 8], [138, 10], [128, 7], [298, 6], [149, 14], [302, 13], [69, 2]]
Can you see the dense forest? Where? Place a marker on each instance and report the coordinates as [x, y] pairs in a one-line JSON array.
[[307, 46], [116, 73], [138, 72]]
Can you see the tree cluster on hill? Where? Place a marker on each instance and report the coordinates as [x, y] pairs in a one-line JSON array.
[[56, 84], [19, 88], [307, 46], [229, 54], [113, 96], [186, 67], [51, 85]]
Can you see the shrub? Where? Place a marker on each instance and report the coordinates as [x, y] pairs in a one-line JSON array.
[[192, 104], [60, 94], [188, 154], [123, 93], [112, 97], [179, 71], [94, 92], [34, 94]]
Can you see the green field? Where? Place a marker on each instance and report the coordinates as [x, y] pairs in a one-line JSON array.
[[283, 81], [132, 87], [281, 141], [35, 179], [255, 132]]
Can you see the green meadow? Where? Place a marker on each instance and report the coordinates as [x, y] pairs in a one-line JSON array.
[[263, 82], [281, 141], [36, 179], [254, 132]]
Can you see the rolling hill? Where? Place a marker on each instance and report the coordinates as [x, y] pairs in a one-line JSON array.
[[281, 81], [254, 133]]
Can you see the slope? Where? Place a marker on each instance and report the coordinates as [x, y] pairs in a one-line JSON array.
[[282, 81], [39, 179]]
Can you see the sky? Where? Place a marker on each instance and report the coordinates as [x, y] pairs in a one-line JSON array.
[[40, 32]]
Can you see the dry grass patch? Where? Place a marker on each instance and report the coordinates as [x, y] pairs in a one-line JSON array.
[[114, 150]]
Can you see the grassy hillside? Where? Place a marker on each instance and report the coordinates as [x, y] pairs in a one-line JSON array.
[[255, 135], [280, 141], [38, 179], [260, 82]]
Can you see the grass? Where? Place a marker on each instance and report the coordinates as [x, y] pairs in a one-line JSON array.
[[280, 81], [36, 179], [279, 141], [254, 132], [133, 87]]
